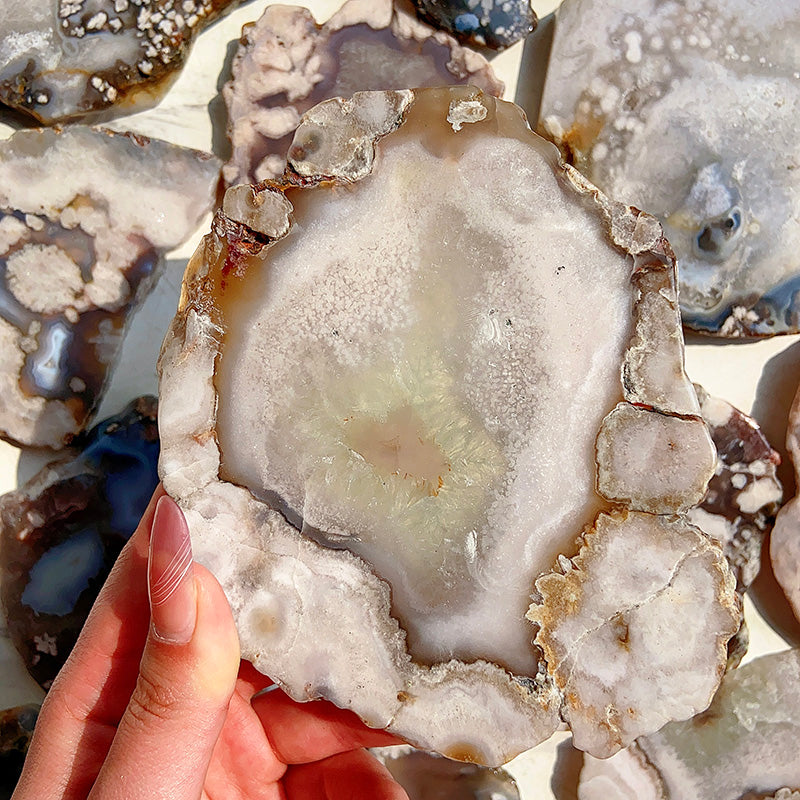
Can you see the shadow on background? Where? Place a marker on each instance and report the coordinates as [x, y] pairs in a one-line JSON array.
[[533, 68]]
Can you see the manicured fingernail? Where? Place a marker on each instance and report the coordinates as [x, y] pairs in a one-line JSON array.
[[170, 578]]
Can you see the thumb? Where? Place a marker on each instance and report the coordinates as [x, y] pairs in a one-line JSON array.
[[187, 675]]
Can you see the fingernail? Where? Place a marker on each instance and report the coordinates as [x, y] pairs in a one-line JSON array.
[[170, 578]]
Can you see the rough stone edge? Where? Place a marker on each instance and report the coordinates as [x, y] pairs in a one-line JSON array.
[[567, 568]]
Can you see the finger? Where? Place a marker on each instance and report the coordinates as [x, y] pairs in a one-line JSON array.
[[88, 698], [167, 734], [355, 775], [302, 732]]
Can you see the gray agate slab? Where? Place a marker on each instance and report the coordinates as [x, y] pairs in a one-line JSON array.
[[287, 62], [389, 428], [689, 111], [85, 217]]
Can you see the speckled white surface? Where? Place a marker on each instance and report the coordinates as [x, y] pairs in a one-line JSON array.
[[759, 376]]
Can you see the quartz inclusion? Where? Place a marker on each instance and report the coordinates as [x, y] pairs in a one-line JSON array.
[[379, 406], [62, 59], [689, 110], [85, 217]]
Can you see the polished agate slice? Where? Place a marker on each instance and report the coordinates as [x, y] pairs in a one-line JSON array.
[[85, 217], [689, 111], [742, 748], [287, 63], [62, 59], [784, 541], [379, 406], [744, 495]]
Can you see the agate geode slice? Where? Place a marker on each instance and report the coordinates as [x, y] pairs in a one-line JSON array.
[[287, 63], [379, 406], [427, 776], [62, 59], [85, 216], [743, 747], [689, 110]]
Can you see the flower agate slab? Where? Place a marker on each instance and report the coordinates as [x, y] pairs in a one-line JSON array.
[[16, 731], [689, 110], [745, 494], [62, 532], [488, 23], [380, 401], [62, 59], [287, 63], [744, 747], [85, 216]]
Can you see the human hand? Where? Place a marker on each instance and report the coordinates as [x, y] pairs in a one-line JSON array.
[[155, 703]]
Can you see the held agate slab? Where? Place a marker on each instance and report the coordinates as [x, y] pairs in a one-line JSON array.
[[85, 218], [380, 401]]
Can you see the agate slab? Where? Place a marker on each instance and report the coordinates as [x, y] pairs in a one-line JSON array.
[[743, 747], [380, 402], [63, 59], [288, 63], [16, 730], [496, 24], [689, 110], [62, 532], [85, 217], [785, 537]]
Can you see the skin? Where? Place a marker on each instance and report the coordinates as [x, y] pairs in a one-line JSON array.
[[154, 700]]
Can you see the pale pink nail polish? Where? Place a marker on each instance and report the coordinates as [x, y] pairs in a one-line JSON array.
[[170, 578]]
